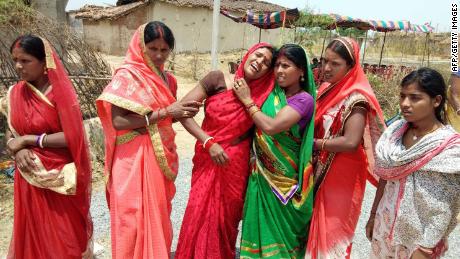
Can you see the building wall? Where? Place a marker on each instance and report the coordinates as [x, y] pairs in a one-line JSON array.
[[54, 9], [192, 28], [113, 36]]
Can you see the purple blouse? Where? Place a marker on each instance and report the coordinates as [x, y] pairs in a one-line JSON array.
[[303, 103]]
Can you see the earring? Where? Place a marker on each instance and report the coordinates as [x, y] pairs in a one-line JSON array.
[[302, 79], [45, 72]]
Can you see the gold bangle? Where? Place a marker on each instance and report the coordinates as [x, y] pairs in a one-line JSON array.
[[254, 112], [324, 143]]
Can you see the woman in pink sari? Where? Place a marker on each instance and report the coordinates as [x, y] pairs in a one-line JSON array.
[[221, 162], [348, 123], [137, 110], [52, 185]]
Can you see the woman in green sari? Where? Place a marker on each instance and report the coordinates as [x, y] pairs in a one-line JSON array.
[[279, 196]]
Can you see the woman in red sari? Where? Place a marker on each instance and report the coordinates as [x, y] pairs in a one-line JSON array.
[[52, 186], [137, 110], [348, 123], [221, 162]]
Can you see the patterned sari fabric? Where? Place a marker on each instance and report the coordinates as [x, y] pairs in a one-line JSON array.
[[210, 225], [451, 114], [420, 201], [51, 204], [140, 168], [340, 178], [279, 198]]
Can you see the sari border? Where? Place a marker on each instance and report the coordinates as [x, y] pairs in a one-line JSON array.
[[124, 103], [68, 173], [13, 130], [39, 94], [159, 152], [50, 64]]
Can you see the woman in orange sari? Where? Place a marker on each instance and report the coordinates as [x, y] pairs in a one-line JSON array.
[[348, 123], [221, 162], [137, 110], [52, 186]]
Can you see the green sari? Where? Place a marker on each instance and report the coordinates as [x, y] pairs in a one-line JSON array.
[[279, 198]]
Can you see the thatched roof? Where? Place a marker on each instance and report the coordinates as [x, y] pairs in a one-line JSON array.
[[92, 12]]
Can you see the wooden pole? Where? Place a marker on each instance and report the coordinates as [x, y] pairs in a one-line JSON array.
[[424, 48], [260, 34], [364, 51], [383, 46], [324, 41], [215, 34]]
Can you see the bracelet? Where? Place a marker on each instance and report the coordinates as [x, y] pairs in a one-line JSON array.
[[254, 112], [209, 144], [147, 120], [323, 144], [37, 141], [8, 141], [457, 111], [40, 140], [206, 141], [250, 105]]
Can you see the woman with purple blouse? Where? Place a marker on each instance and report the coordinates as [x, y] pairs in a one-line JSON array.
[[279, 197]]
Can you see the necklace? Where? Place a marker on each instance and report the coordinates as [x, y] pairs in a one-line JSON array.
[[298, 91], [415, 137]]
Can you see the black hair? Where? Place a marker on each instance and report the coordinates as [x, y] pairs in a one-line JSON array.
[[315, 60], [338, 47], [158, 30], [296, 55], [432, 83], [31, 44]]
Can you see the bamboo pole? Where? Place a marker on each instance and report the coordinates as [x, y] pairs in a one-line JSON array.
[[383, 46], [364, 51]]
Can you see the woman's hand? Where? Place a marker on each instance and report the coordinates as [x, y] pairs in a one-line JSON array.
[[370, 227], [422, 253], [218, 154], [15, 145], [183, 109], [242, 91], [25, 160]]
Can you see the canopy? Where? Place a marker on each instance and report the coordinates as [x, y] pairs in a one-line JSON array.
[[266, 20]]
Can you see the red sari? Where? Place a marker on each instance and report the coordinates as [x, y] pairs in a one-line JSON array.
[[210, 225], [140, 168], [51, 205], [340, 178]]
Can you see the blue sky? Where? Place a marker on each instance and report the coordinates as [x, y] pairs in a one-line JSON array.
[[416, 11]]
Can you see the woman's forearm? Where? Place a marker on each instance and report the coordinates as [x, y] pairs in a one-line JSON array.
[[194, 129], [338, 144], [378, 196]]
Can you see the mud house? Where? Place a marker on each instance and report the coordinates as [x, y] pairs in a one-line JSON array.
[[109, 29]]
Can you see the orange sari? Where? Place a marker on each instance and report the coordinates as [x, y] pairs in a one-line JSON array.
[[51, 204], [140, 168], [340, 178]]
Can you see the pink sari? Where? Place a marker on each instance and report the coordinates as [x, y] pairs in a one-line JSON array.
[[210, 225], [140, 168], [51, 204], [340, 178]]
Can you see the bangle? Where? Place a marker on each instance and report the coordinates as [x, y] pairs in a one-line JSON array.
[[40, 140], [8, 141], [250, 105], [254, 112], [457, 111], [209, 144], [323, 144], [206, 141], [147, 120]]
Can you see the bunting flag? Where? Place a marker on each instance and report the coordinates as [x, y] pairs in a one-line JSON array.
[[267, 20]]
